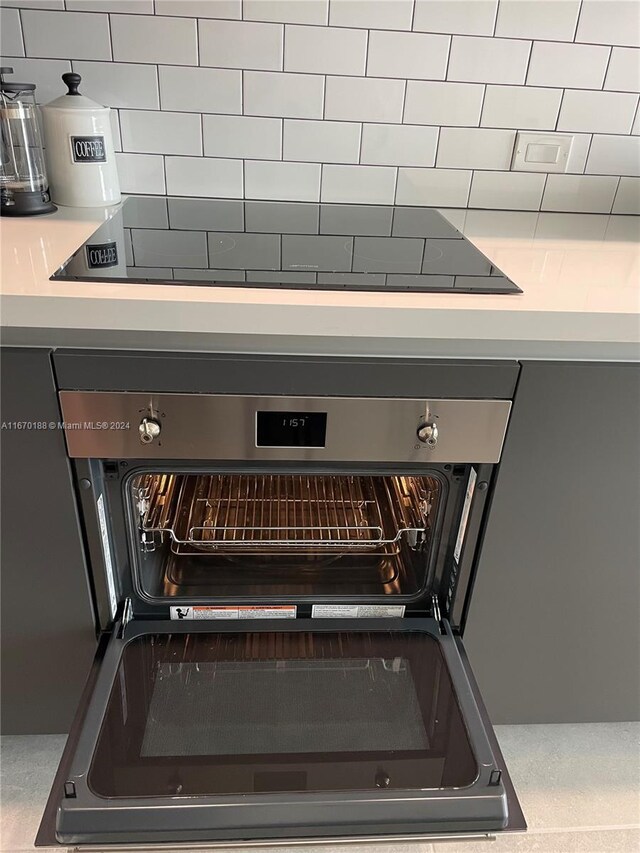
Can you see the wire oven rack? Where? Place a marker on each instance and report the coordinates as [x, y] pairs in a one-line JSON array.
[[275, 513]]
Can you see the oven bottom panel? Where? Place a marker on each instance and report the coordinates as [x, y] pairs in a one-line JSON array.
[[254, 731]]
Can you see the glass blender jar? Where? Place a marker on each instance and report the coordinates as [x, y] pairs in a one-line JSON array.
[[24, 189]]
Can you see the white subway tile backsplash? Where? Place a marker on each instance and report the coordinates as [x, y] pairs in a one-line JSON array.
[[467, 17], [522, 107], [10, 33], [321, 141], [597, 112], [627, 198], [576, 66], [506, 190], [240, 44], [614, 155], [35, 4], [282, 181], [241, 136], [230, 97], [152, 38], [579, 193], [200, 8], [45, 73], [119, 84], [433, 187], [399, 145], [475, 148], [286, 95], [377, 15], [443, 103], [623, 74], [609, 22], [141, 173], [155, 132], [286, 11], [538, 19], [142, 7], [65, 35], [204, 177], [366, 184], [325, 50], [488, 60], [364, 99], [415, 55], [206, 90]]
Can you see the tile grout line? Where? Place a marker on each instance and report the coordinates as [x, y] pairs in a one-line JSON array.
[[615, 195], [606, 70], [110, 30], [22, 38], [482, 103], [575, 31], [586, 159], [544, 190], [449, 52], [529, 58], [562, 94], [366, 52], [405, 89]]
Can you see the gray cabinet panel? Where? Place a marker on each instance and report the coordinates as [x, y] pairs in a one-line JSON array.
[[48, 635], [554, 623]]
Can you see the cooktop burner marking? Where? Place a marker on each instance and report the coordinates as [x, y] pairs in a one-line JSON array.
[[221, 244]]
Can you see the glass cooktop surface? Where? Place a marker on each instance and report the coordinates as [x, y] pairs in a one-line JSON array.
[[299, 245]]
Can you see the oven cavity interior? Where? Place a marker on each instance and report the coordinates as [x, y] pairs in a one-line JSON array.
[[204, 535]]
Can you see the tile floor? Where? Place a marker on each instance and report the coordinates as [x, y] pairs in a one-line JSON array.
[[579, 786]]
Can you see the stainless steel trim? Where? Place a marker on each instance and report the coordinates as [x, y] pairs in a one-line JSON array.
[[103, 424], [293, 842]]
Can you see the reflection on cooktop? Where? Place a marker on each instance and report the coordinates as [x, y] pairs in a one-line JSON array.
[[229, 243]]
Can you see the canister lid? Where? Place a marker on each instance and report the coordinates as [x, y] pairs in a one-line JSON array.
[[73, 100]]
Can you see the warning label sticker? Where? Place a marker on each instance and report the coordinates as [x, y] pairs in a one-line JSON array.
[[234, 612], [351, 611]]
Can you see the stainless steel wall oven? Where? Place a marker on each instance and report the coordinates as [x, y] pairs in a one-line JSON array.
[[282, 555]]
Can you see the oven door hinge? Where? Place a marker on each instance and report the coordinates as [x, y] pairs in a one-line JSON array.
[[127, 613], [435, 611]]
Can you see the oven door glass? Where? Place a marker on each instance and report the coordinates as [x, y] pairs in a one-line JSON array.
[[236, 713], [320, 728]]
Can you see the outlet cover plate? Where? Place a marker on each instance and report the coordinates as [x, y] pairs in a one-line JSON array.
[[541, 152]]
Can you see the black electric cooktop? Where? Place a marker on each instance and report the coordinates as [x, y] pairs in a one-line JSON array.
[[229, 243]]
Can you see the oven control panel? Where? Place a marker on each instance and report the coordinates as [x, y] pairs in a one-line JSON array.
[[128, 425]]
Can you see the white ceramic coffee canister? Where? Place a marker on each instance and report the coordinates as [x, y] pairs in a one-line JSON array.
[[79, 149]]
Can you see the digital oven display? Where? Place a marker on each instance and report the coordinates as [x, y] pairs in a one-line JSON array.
[[291, 429]]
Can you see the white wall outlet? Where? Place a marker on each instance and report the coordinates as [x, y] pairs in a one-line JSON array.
[[539, 152]]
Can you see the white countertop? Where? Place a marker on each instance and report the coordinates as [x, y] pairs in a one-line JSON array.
[[580, 274]]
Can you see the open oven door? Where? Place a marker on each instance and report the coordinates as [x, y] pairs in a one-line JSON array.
[[265, 732]]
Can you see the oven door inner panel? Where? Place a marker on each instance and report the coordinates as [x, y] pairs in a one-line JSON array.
[[191, 732]]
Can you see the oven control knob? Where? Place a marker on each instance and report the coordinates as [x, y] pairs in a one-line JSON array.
[[149, 430], [428, 434]]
